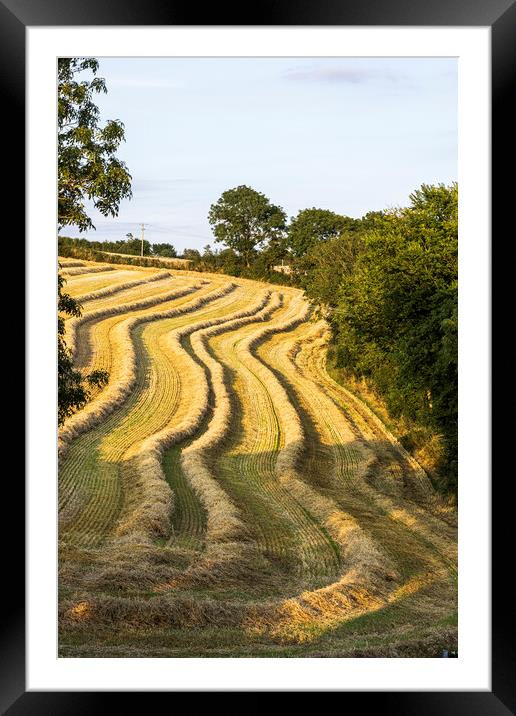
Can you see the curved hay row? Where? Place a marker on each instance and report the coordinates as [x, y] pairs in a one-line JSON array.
[[322, 550], [77, 285], [74, 324], [189, 515], [147, 507], [224, 521], [367, 574], [281, 528], [100, 461], [348, 456], [314, 612], [86, 269], [438, 540], [429, 521], [69, 263], [247, 468], [118, 295], [110, 290], [125, 372], [418, 475], [96, 347], [148, 515], [142, 292], [109, 443]]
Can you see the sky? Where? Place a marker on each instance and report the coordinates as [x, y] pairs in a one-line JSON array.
[[347, 134]]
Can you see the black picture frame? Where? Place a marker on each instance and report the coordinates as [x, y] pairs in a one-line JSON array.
[[500, 16]]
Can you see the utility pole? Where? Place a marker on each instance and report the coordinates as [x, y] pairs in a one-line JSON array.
[[143, 231]]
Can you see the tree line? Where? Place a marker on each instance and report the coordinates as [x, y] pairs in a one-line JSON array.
[[131, 246]]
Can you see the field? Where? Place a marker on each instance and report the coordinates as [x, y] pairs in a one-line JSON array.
[[222, 496]]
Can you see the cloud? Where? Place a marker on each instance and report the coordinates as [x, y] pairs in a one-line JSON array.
[[342, 75]]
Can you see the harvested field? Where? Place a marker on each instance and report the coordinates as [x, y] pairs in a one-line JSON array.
[[222, 496]]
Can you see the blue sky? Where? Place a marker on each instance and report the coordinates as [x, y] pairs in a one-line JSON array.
[[347, 134]]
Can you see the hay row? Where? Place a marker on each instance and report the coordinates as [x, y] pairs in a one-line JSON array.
[[367, 574], [224, 521], [69, 263], [91, 316], [312, 543], [397, 512], [110, 290], [85, 269], [141, 292], [417, 520], [76, 285], [125, 375], [294, 436], [283, 531], [418, 474], [403, 534], [281, 528], [148, 515], [102, 460], [95, 349]]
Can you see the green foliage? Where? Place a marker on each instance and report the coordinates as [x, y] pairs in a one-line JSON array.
[[131, 246], [87, 170], [165, 250], [313, 226], [325, 264], [95, 251], [244, 219], [191, 255], [87, 165], [227, 261], [396, 315], [72, 392]]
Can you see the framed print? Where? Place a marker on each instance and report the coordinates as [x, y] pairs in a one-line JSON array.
[[233, 512]]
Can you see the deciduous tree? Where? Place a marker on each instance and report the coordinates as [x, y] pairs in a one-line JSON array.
[[311, 226], [88, 167], [245, 219]]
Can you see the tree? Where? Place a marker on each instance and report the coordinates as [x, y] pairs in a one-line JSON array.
[[274, 252], [87, 169], [244, 219], [325, 265], [191, 255], [73, 391], [229, 262], [397, 313], [87, 165], [133, 247], [165, 250], [311, 226]]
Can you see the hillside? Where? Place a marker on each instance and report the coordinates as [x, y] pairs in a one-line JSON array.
[[224, 496]]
